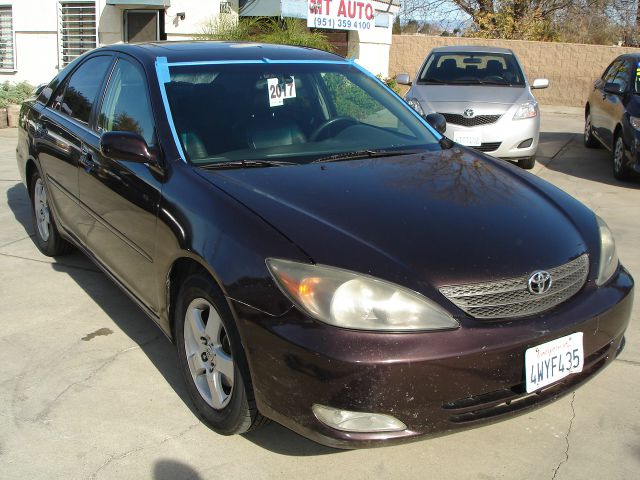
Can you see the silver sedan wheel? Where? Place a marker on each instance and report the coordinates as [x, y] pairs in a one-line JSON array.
[[208, 353], [618, 155], [41, 208], [587, 128]]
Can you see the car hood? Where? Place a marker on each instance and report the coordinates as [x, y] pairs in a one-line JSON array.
[[423, 220], [457, 98]]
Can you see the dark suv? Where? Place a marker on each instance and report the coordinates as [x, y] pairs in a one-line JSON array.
[[612, 114]]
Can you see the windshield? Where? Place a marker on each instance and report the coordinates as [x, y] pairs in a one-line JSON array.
[[293, 112], [472, 68]]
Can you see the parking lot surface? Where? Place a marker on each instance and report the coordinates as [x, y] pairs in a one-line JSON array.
[[89, 387]]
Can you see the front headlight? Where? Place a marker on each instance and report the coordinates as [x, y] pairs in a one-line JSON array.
[[352, 300], [526, 110], [608, 256], [635, 122], [415, 104]]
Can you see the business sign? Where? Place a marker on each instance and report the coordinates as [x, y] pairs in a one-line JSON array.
[[341, 14]]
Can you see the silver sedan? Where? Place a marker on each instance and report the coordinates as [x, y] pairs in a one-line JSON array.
[[484, 96]]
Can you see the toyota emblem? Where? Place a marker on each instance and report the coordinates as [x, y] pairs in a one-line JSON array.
[[540, 282], [468, 113]]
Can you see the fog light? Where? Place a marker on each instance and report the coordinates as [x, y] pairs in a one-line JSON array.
[[357, 421], [526, 144]]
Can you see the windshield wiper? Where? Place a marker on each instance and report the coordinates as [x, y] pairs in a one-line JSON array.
[[432, 80], [246, 164], [339, 157]]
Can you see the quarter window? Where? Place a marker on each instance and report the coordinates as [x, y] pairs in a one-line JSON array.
[[126, 103], [7, 54], [78, 29], [79, 95]]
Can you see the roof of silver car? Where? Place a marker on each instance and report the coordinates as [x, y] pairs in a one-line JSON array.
[[472, 48]]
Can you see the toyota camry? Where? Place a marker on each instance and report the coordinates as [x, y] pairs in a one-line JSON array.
[[318, 252]]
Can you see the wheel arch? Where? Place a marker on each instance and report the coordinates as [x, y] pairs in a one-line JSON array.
[[181, 267], [29, 169]]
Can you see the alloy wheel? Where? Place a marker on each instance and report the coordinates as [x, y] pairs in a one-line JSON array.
[[41, 207], [587, 129], [618, 155], [208, 353]]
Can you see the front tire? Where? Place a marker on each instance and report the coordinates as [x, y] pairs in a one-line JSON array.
[[527, 163], [212, 358], [47, 238], [620, 170]]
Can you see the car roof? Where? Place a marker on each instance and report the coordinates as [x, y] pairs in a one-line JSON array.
[[470, 49], [197, 51]]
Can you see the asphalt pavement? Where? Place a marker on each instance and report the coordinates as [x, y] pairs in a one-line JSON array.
[[89, 387]]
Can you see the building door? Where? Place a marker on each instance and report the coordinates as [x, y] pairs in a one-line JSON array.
[[143, 26]]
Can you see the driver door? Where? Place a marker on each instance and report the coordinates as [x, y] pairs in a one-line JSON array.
[[123, 197]]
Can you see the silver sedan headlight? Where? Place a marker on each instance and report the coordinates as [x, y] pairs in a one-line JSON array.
[[526, 110], [415, 104], [608, 257], [352, 300]]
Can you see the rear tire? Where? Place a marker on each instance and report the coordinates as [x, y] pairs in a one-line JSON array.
[[212, 359], [620, 171], [47, 238], [527, 163], [590, 141]]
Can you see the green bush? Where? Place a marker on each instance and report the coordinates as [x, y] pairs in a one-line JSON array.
[[285, 31], [14, 93]]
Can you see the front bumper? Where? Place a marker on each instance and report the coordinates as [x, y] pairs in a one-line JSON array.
[[502, 138], [434, 382]]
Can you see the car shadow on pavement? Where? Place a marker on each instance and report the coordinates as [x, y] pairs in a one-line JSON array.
[[20, 205], [167, 469], [574, 159], [138, 327], [278, 439]]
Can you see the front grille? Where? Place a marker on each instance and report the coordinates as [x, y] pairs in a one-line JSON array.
[[488, 147], [458, 119], [511, 297]]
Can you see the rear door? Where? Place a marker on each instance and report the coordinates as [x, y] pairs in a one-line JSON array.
[[122, 196], [61, 131]]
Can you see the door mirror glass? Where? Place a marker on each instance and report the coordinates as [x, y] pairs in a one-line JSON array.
[[613, 88], [127, 146], [540, 83], [437, 121]]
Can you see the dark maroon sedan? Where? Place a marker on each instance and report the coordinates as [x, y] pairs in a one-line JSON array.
[[320, 254]]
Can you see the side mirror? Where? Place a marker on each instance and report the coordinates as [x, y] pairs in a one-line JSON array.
[[39, 89], [437, 121], [127, 146], [613, 88], [403, 79], [540, 83]]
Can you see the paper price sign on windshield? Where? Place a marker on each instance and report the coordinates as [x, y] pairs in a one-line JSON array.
[[279, 91], [340, 14]]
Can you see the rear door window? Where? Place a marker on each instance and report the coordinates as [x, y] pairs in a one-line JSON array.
[[81, 90]]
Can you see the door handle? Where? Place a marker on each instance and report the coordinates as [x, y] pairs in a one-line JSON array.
[[86, 159], [40, 130]]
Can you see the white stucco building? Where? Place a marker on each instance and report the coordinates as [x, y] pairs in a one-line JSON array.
[[39, 37]]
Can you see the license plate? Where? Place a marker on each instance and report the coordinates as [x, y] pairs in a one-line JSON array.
[[468, 139], [552, 361]]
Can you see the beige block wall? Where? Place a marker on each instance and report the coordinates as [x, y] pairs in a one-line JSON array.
[[571, 68]]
